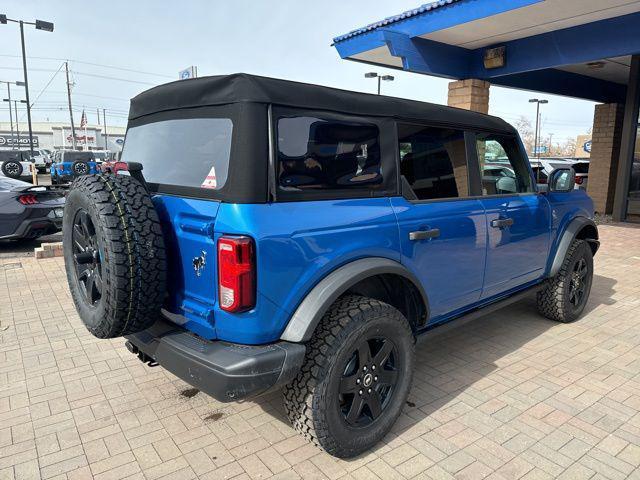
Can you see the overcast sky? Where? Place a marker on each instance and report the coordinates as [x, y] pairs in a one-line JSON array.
[[286, 38]]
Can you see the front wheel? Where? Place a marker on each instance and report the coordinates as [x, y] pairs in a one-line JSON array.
[[564, 296], [355, 379]]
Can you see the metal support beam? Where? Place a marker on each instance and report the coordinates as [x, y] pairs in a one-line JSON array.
[[627, 144]]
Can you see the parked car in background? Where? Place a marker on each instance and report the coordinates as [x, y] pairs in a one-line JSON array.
[[15, 163], [28, 211], [579, 165], [72, 164], [101, 156], [286, 235], [41, 160]]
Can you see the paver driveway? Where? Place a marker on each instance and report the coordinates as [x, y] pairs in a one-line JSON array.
[[511, 395]]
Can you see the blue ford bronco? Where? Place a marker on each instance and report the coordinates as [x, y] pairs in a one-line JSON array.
[[72, 164], [270, 234]]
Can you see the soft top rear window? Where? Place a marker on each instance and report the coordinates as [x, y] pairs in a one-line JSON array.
[[185, 152], [77, 156]]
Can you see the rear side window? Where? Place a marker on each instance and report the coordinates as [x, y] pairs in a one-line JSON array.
[[433, 161], [317, 153], [187, 152]]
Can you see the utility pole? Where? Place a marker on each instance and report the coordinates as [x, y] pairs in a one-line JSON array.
[[26, 88], [73, 128], [106, 134], [98, 112], [13, 140]]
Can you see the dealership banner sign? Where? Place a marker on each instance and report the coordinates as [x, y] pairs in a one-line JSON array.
[[23, 141]]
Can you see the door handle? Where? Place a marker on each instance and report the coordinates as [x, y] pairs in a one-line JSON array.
[[502, 222], [424, 234]]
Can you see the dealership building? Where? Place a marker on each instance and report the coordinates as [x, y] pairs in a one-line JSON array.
[[57, 136], [587, 49]]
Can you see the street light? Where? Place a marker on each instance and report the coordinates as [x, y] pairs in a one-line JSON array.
[[15, 145], [40, 25], [536, 135], [386, 78], [9, 100]]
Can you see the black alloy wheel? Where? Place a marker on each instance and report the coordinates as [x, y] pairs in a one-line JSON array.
[[368, 381], [87, 258], [578, 283]]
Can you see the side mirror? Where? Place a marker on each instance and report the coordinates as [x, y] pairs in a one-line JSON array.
[[562, 180]]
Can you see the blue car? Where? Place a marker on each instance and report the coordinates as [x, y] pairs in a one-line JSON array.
[[72, 164], [276, 235]]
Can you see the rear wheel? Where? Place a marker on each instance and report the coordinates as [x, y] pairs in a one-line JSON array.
[[80, 168], [355, 379], [564, 296], [12, 169]]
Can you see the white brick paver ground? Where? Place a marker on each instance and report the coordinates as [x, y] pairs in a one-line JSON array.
[[509, 396]]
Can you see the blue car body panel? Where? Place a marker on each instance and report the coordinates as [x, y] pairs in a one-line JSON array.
[[67, 171], [450, 266], [516, 255], [299, 243]]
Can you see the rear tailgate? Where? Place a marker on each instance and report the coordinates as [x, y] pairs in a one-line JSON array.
[[188, 227]]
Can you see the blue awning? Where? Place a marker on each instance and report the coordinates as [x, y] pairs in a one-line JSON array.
[[571, 47]]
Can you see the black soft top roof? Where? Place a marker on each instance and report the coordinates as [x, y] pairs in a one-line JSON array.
[[242, 87]]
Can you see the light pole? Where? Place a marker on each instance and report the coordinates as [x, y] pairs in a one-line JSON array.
[[15, 106], [535, 138], [40, 25], [386, 78]]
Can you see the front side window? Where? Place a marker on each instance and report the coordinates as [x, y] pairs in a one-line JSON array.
[[317, 153], [188, 152], [433, 161], [503, 169]]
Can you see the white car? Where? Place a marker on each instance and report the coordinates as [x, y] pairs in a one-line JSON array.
[[42, 160], [15, 164]]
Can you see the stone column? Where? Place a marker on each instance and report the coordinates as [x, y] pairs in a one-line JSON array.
[[470, 94], [605, 154]]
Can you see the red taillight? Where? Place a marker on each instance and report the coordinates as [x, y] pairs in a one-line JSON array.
[[579, 180], [236, 274], [28, 199]]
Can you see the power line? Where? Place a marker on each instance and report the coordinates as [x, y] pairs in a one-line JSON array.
[[124, 69], [86, 74]]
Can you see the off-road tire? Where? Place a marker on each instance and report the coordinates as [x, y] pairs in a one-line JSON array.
[[132, 252], [309, 398], [553, 298], [8, 165]]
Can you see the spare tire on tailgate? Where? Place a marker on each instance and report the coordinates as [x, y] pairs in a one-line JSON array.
[[114, 254]]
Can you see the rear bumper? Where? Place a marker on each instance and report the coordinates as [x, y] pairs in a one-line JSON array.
[[35, 227], [226, 371]]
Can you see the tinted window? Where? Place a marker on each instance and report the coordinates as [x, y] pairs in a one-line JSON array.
[[505, 150], [433, 161], [191, 152], [581, 167], [317, 153], [14, 155], [77, 156]]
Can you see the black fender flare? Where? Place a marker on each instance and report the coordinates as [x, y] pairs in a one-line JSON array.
[[306, 317], [570, 233]]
